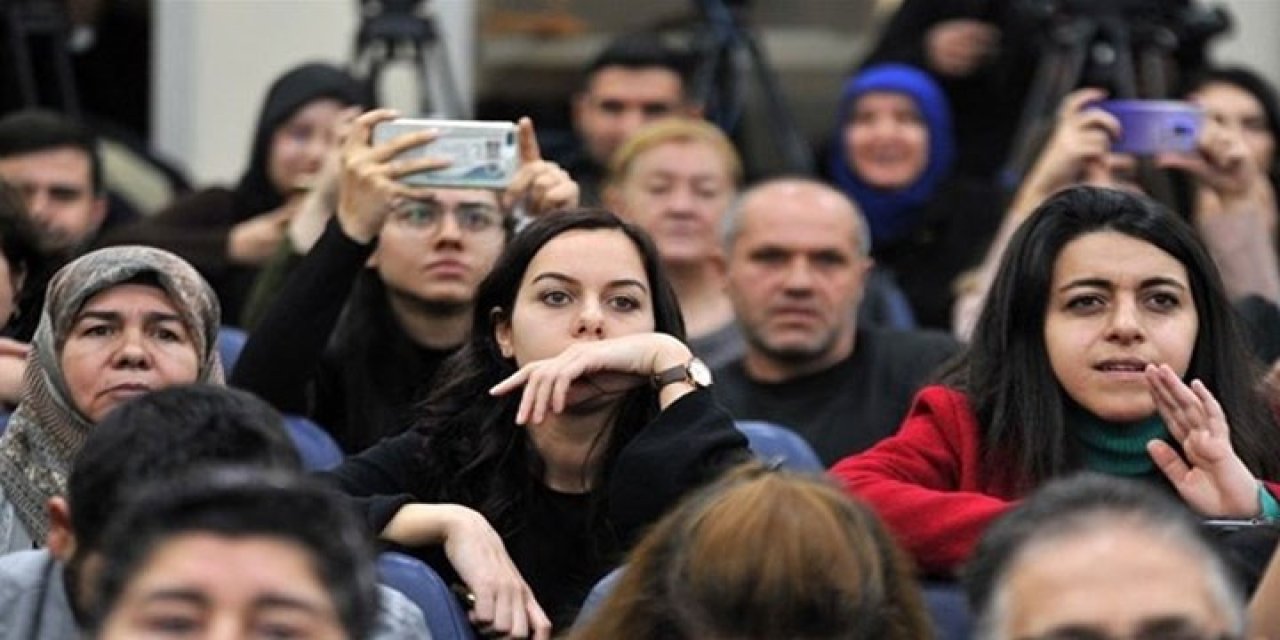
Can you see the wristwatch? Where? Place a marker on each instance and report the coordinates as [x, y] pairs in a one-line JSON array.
[[694, 372]]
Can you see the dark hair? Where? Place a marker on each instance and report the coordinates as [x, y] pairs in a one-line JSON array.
[[17, 235], [473, 453], [639, 50], [1075, 506], [1005, 371], [292, 91], [765, 554], [162, 434], [241, 502], [35, 130]]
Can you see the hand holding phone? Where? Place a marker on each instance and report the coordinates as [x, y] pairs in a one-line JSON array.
[[481, 154], [1148, 127]]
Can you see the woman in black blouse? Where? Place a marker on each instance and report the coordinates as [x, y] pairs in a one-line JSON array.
[[573, 417]]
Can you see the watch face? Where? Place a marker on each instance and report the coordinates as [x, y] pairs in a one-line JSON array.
[[699, 373]]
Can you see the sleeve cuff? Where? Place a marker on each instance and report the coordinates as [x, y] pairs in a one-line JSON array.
[[1270, 506]]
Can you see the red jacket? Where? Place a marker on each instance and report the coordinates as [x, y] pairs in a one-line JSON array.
[[928, 484]]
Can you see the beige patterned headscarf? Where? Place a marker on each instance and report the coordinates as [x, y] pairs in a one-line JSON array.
[[47, 429]]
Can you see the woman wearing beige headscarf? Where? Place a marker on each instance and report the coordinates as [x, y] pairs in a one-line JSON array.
[[116, 323]]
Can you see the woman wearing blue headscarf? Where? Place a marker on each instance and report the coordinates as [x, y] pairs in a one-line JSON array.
[[894, 154]]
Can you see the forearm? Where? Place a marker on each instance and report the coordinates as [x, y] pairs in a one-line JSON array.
[[1244, 248], [419, 524], [285, 349]]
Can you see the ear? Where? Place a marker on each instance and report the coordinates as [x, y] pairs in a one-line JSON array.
[[61, 539], [577, 106], [98, 213], [859, 283], [502, 331]]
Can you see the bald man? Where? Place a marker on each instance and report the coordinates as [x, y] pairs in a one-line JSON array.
[[797, 272]]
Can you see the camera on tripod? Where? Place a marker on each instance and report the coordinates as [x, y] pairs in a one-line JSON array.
[[1151, 31], [1132, 48], [393, 30]]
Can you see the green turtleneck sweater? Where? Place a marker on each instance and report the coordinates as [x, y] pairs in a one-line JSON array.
[[1120, 449]]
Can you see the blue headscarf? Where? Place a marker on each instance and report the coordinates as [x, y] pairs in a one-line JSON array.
[[892, 214]]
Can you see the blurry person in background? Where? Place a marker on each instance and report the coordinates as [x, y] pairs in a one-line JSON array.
[[229, 233], [675, 179], [636, 79]]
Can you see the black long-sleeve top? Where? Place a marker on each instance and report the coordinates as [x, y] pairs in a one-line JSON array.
[[358, 388], [558, 550]]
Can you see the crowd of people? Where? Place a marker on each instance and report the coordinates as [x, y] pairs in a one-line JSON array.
[[1059, 398]]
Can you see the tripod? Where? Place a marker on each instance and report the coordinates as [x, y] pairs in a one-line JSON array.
[[390, 29], [1097, 50], [28, 23], [726, 52]]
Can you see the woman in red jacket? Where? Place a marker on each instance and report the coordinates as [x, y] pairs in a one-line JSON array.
[[1107, 343]]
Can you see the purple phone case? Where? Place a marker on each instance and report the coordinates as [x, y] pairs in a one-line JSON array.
[[1154, 126]]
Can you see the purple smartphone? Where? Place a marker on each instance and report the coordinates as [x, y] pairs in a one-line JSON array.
[[1153, 126]]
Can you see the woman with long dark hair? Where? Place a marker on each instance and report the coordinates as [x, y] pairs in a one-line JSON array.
[[1106, 343], [571, 419]]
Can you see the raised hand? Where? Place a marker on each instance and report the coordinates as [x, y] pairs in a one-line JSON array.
[[254, 241], [540, 184], [1221, 163], [1081, 142], [369, 187], [1207, 474], [958, 47]]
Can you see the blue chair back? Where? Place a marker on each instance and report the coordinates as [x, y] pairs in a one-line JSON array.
[[777, 444], [318, 450], [949, 609], [230, 343], [596, 596], [445, 616]]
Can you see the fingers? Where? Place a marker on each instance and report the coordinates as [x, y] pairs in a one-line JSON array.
[[358, 134], [1076, 101], [13, 348], [404, 142], [527, 141], [516, 615], [539, 623], [544, 186], [1182, 411], [1216, 417], [1168, 461], [546, 385], [1099, 120], [397, 169]]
